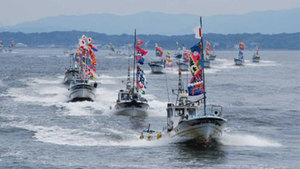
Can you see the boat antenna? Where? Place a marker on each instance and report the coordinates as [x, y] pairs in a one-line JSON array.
[[167, 87], [180, 88], [128, 72], [134, 61], [72, 54], [202, 56]]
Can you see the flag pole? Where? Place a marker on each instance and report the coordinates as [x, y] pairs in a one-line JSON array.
[[134, 60], [202, 58]]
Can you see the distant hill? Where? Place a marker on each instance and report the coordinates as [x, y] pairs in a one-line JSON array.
[[287, 41], [268, 22]]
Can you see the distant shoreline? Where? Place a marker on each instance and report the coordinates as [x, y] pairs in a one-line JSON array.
[[68, 39]]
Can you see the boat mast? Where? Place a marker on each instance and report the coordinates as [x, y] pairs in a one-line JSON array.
[[180, 88], [128, 86], [203, 74], [134, 61], [71, 65]]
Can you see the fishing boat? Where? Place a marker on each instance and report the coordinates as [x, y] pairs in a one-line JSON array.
[[239, 61], [207, 55], [188, 119], [82, 89], [182, 58], [157, 67], [83, 86], [130, 102], [72, 71], [213, 55], [256, 56]]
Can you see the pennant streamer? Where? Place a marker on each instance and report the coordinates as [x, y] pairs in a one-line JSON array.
[[196, 86], [169, 62], [241, 50], [158, 50], [140, 75]]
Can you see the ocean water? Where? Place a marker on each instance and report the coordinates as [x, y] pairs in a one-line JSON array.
[[40, 129]]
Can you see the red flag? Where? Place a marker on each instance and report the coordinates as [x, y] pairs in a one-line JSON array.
[[200, 33], [141, 51], [140, 42]]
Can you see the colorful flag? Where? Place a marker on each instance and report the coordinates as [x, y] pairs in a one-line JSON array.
[[186, 54], [85, 56], [169, 62], [140, 53], [140, 80], [140, 76], [198, 32], [241, 49], [241, 45], [140, 42], [207, 49], [112, 48], [158, 50], [196, 86]]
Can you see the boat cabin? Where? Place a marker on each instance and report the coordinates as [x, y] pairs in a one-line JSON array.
[[124, 96], [177, 113]]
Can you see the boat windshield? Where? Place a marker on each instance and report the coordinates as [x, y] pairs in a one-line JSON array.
[[191, 111], [124, 96], [135, 96], [179, 111]]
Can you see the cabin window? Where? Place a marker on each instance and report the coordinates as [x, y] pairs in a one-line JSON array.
[[179, 112], [125, 96], [191, 112], [135, 96]]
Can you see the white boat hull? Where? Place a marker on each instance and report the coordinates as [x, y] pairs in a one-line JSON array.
[[238, 62], [201, 130], [81, 92], [255, 59], [212, 57], [131, 109], [156, 67]]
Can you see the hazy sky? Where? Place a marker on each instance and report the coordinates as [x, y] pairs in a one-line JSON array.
[[16, 11]]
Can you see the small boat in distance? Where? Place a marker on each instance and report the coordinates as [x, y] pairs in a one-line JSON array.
[[256, 56], [157, 67], [83, 86], [130, 102], [82, 89], [182, 61], [240, 59], [213, 55]]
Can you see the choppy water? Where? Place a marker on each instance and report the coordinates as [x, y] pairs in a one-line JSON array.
[[39, 129]]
